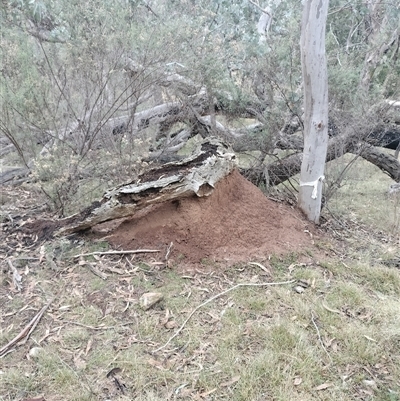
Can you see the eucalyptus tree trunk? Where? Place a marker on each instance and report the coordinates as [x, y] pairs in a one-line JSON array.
[[315, 81]]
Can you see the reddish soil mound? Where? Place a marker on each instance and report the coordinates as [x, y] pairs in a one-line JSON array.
[[234, 223]]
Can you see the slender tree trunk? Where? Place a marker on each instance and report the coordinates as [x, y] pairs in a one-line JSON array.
[[315, 81]]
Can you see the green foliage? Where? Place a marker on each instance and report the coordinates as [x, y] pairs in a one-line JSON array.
[[78, 66]]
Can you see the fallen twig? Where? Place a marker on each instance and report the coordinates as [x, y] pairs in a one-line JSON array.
[[262, 267], [168, 253], [94, 270], [319, 337], [331, 310], [118, 252], [215, 297], [89, 327], [26, 332]]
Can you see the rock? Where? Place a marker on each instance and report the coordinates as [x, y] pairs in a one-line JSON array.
[[149, 299], [299, 289], [35, 351]]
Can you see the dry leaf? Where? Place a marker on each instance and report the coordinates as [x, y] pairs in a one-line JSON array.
[[370, 383], [323, 386], [88, 346], [297, 381], [299, 289], [35, 351], [155, 363], [42, 254], [205, 394], [170, 324], [329, 341], [79, 362], [164, 320]]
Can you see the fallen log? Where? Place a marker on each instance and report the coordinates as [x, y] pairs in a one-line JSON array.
[[195, 175], [283, 169]]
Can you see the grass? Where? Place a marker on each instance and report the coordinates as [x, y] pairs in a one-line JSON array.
[[337, 340], [254, 343], [363, 195]]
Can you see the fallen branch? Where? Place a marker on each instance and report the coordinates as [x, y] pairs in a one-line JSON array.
[[95, 270], [262, 267], [118, 252], [89, 327], [26, 332], [196, 175], [215, 297]]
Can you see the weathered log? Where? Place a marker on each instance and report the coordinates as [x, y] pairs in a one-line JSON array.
[[194, 176], [387, 163]]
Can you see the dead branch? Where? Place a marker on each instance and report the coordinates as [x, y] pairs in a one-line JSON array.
[[215, 297], [319, 336], [26, 332], [195, 175], [118, 252]]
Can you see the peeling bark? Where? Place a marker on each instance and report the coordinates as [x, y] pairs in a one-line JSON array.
[[193, 176]]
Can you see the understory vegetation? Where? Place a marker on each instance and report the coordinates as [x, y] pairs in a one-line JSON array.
[[95, 93]]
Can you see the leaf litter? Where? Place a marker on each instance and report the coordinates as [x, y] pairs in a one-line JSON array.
[[94, 323]]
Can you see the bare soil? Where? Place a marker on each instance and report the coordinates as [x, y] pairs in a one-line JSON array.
[[235, 223]]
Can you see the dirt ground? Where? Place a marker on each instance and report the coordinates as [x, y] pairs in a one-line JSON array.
[[236, 222], [306, 320]]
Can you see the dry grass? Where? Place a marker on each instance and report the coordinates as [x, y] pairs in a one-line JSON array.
[[339, 339], [363, 195]]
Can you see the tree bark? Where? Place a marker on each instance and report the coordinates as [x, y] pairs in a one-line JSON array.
[[315, 81], [193, 176], [387, 163]]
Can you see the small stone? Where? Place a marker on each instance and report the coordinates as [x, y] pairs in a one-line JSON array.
[[149, 299], [35, 351], [299, 289], [171, 324]]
